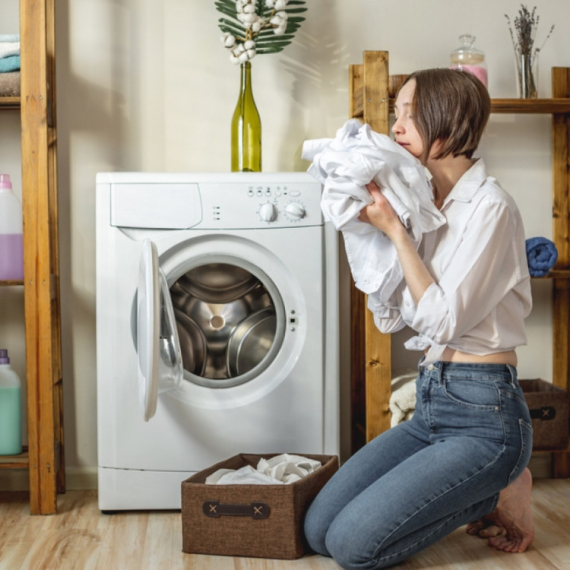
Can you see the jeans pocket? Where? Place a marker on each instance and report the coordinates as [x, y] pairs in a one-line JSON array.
[[525, 430], [472, 393]]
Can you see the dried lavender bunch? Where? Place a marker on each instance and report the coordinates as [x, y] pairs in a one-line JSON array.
[[526, 25]]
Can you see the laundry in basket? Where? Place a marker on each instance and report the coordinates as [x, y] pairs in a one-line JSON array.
[[278, 470]]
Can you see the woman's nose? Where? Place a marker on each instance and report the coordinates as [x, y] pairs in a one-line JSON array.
[[397, 127]]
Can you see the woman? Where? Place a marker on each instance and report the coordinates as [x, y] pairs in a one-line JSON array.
[[463, 455]]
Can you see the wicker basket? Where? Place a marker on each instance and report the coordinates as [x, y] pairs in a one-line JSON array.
[[262, 521], [548, 407]]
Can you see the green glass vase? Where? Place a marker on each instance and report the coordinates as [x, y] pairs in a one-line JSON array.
[[246, 128]]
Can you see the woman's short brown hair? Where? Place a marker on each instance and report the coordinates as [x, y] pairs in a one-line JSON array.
[[451, 106]]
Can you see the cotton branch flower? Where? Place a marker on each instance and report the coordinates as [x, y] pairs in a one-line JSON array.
[[254, 17]]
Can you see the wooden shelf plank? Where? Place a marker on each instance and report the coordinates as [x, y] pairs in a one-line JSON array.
[[11, 283], [500, 106], [556, 274], [9, 103], [21, 461], [536, 106]]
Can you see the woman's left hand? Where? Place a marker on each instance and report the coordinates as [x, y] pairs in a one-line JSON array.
[[380, 213]]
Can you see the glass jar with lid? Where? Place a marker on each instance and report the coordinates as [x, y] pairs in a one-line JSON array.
[[468, 58]]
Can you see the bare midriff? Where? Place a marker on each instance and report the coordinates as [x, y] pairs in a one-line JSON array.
[[507, 357]]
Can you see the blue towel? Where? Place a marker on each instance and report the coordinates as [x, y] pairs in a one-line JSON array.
[[541, 255], [9, 37], [10, 63]]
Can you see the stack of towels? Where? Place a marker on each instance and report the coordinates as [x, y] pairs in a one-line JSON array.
[[9, 65]]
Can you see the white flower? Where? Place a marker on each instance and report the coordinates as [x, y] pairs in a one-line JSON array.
[[249, 18], [282, 15], [228, 40], [270, 3], [276, 20], [280, 30], [234, 59], [243, 58], [251, 53], [249, 9], [256, 26], [280, 4], [250, 44]]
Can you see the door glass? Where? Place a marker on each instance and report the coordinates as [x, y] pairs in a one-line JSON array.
[[230, 323]]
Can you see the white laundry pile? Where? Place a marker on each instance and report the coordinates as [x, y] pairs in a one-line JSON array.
[[403, 398], [344, 165], [281, 469]]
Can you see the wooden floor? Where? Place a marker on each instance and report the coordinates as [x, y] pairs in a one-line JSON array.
[[80, 537]]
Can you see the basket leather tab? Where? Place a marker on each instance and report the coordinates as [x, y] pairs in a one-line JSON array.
[[254, 510], [545, 413]]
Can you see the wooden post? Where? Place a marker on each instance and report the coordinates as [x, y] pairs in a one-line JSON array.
[[377, 346], [41, 263], [561, 231]]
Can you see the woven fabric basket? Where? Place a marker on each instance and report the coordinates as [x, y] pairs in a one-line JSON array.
[[548, 407], [264, 521]]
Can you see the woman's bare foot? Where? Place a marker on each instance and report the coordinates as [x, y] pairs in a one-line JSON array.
[[509, 527]]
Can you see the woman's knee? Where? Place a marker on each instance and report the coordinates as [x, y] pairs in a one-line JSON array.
[[315, 528], [350, 547]]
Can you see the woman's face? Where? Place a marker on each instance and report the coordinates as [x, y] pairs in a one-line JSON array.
[[404, 128]]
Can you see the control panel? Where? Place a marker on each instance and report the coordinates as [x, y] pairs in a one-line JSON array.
[[215, 201], [261, 205]]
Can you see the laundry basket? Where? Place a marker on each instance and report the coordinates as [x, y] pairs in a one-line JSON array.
[[264, 521]]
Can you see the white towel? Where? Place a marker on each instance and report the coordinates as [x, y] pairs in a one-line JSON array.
[[279, 470], [345, 165], [9, 48], [403, 398]]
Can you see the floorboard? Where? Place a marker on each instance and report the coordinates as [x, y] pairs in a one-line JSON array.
[[79, 537]]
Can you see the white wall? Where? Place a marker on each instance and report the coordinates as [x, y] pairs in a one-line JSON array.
[[146, 85]]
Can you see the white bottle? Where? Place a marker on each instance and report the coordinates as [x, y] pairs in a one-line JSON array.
[[10, 408], [11, 238]]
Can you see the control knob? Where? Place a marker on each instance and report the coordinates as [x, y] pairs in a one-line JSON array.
[[295, 211], [268, 212]]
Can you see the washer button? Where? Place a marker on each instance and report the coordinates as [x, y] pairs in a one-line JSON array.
[[294, 193]]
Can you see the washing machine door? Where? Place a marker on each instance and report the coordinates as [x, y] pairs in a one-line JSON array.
[[158, 347]]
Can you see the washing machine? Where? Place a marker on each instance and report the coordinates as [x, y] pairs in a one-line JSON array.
[[217, 327]]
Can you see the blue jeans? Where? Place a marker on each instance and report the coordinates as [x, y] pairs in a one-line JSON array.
[[470, 437]]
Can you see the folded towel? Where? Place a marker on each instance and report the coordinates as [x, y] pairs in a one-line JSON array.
[[10, 84], [11, 63], [541, 255], [9, 48], [9, 37]]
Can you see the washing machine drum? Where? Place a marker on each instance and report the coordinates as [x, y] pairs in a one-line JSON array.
[[230, 323]]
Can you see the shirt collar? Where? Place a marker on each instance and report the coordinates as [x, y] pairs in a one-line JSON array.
[[468, 184]]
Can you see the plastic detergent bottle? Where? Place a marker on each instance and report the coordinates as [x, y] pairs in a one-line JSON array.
[[10, 408], [468, 58], [11, 239]]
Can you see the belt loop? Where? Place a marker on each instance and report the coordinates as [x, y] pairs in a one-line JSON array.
[[513, 372]]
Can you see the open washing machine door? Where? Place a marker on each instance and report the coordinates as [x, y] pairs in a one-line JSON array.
[[158, 347]]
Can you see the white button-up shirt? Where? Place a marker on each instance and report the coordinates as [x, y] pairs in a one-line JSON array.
[[481, 293]]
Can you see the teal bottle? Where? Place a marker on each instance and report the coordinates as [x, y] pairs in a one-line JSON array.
[[10, 408]]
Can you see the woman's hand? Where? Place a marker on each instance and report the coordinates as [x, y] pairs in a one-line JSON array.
[[380, 213]]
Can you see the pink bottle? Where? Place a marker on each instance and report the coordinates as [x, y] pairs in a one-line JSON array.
[[11, 239]]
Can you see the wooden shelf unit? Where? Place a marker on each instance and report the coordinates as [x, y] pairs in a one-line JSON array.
[[21, 461], [44, 457], [9, 103], [371, 99]]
